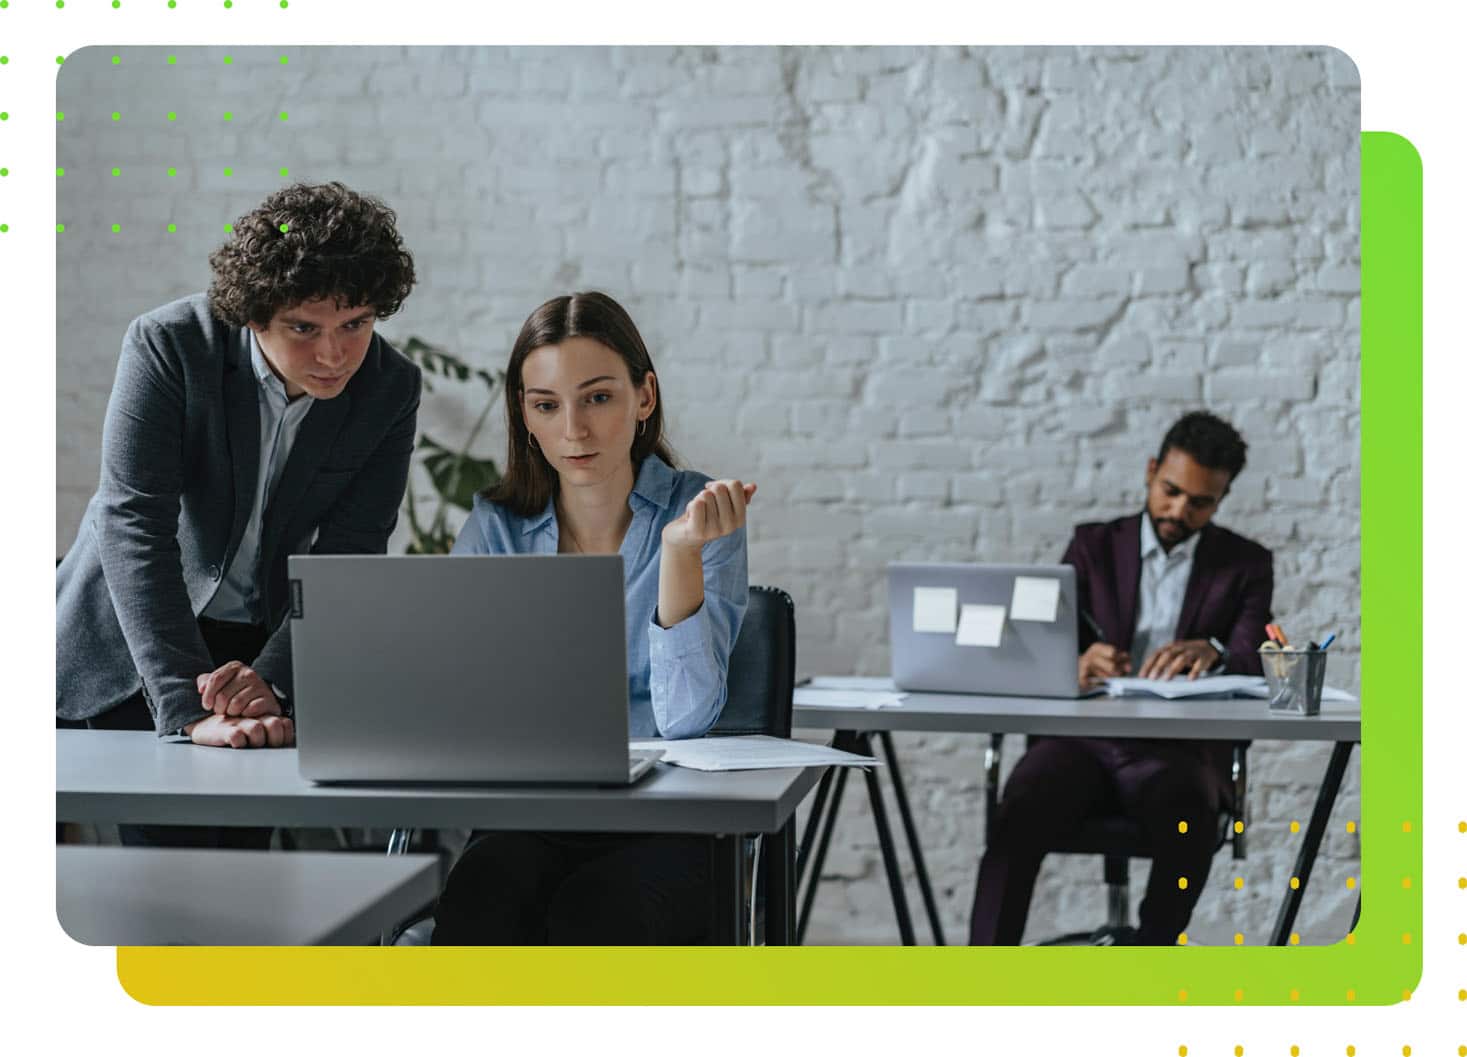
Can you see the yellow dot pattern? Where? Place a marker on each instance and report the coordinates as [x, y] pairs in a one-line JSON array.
[[1294, 882], [1349, 1051], [1294, 826], [1350, 826], [1182, 883], [1293, 1051], [1349, 882], [1294, 938], [1238, 938], [1237, 882], [1181, 939], [1182, 827], [1294, 997]]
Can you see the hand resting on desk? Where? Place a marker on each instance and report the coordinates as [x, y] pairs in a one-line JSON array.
[[1100, 662], [243, 732], [246, 713], [1193, 656]]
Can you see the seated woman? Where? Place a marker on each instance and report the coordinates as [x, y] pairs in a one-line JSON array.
[[588, 472]]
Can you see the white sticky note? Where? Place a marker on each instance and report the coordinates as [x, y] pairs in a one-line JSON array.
[[935, 609], [1035, 598], [981, 626]]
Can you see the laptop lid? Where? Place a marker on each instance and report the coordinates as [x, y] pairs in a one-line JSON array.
[[464, 668], [984, 629]]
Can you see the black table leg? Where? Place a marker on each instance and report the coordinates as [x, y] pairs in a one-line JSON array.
[[729, 903], [1313, 836], [779, 888], [812, 824], [888, 850], [812, 874], [918, 864]]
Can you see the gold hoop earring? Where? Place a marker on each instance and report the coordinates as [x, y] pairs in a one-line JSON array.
[[530, 438], [643, 430]]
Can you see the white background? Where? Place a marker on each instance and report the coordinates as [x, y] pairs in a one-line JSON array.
[[66, 998]]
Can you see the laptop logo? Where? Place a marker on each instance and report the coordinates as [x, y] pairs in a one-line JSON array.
[[297, 610]]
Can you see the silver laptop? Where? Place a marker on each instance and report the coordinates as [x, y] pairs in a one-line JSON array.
[[461, 669], [949, 635]]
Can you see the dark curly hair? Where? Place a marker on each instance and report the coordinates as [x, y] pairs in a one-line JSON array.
[[307, 242], [1212, 442]]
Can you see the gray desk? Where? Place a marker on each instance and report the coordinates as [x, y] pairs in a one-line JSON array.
[[127, 777], [1232, 719], [126, 897]]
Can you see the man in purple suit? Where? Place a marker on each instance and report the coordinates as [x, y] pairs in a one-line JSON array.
[[1171, 595]]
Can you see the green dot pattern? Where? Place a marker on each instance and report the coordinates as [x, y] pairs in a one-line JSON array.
[[116, 4], [228, 116], [116, 116], [4, 115], [4, 60], [116, 171], [60, 227], [172, 115], [172, 171], [228, 60], [116, 228], [116, 60], [60, 116], [228, 172], [284, 171], [284, 59], [4, 171], [284, 116], [60, 171], [228, 4], [284, 228], [172, 60], [172, 228], [4, 228], [228, 228]]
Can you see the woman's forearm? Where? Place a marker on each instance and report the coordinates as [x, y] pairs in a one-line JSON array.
[[679, 584]]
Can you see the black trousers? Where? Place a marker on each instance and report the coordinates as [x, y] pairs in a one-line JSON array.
[[226, 642], [580, 889], [1061, 781]]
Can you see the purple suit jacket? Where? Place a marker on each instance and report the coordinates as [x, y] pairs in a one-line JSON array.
[[1228, 595]]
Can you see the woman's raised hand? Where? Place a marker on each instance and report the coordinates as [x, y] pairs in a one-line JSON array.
[[712, 514]]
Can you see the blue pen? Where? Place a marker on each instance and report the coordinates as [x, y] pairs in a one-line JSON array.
[[1325, 644]]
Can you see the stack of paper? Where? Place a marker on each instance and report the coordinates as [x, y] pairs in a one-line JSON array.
[[1172, 689], [751, 752], [835, 697]]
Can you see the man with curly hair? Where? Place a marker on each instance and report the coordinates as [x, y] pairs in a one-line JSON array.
[[261, 419]]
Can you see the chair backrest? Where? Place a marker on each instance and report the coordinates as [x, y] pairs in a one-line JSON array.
[[761, 668]]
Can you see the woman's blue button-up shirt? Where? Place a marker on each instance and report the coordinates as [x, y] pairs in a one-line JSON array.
[[677, 676]]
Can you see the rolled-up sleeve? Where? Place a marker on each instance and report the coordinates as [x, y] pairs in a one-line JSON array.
[[689, 677]]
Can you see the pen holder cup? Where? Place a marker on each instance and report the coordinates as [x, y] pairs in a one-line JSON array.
[[1295, 680]]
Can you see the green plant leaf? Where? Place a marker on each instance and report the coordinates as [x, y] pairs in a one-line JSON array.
[[455, 475]]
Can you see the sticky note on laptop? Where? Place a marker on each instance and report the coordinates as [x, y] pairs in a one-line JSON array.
[[980, 626], [1035, 598], [935, 609]]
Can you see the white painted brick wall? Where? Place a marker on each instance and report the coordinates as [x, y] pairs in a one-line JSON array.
[[940, 303]]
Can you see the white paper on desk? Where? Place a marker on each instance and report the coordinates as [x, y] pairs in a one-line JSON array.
[[831, 697], [852, 682], [935, 609], [981, 626], [750, 752], [1329, 693], [1035, 598], [1180, 687]]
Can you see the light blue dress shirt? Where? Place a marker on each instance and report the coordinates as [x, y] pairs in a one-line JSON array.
[[237, 598], [677, 676]]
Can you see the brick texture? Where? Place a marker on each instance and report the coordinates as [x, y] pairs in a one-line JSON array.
[[939, 303]]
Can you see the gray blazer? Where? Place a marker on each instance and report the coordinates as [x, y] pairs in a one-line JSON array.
[[180, 455]]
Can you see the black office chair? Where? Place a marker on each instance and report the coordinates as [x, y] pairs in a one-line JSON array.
[[1118, 840], [761, 691]]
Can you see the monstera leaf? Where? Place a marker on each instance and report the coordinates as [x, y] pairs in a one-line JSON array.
[[455, 475]]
